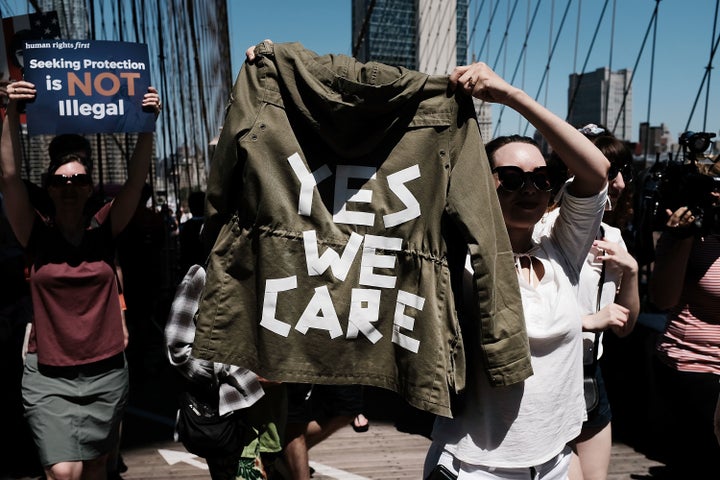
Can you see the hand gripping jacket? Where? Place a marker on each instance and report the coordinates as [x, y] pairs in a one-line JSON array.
[[344, 191]]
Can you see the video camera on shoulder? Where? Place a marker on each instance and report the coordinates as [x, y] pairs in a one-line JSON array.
[[689, 180]]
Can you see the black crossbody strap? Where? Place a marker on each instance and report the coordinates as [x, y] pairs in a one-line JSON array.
[[601, 283]]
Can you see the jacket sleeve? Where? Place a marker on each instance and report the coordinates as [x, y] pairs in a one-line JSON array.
[[227, 162], [496, 306], [180, 329]]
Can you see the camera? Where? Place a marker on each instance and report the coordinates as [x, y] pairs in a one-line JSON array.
[[686, 181], [696, 142]]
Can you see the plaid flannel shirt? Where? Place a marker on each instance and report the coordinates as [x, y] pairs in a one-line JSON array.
[[239, 387]]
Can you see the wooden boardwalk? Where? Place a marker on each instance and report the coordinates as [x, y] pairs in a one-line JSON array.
[[383, 452], [380, 453]]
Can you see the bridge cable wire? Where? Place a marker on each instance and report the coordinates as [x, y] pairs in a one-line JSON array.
[[705, 77], [523, 55], [474, 25], [709, 68], [708, 72], [650, 88], [503, 44], [605, 113], [580, 77], [550, 57], [363, 29], [488, 30], [653, 20]]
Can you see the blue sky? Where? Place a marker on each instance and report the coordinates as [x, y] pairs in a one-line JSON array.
[[683, 44]]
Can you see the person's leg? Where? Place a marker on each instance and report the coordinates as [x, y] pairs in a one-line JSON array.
[[64, 471], [590, 457], [318, 430], [575, 471], [296, 452], [593, 452], [299, 414], [222, 468], [95, 469]]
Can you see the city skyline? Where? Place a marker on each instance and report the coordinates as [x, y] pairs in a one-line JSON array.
[[683, 45]]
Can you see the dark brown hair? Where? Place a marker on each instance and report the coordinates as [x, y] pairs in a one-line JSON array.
[[493, 145]]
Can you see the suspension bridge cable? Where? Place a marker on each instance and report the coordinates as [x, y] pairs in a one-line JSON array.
[[363, 28], [550, 34], [474, 26], [650, 87], [702, 83], [488, 30], [580, 77], [577, 36], [604, 115], [503, 43], [524, 58], [550, 57], [449, 37], [192, 33], [653, 19], [521, 57], [166, 125], [709, 68]]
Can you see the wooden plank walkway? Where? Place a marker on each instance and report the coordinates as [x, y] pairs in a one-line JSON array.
[[382, 453]]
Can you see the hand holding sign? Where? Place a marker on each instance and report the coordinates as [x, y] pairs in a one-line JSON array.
[[22, 90], [151, 101], [88, 87]]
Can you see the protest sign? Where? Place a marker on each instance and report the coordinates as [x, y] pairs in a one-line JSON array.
[[86, 86]]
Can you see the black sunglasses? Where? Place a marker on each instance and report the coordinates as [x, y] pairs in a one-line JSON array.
[[626, 170], [514, 178], [77, 180]]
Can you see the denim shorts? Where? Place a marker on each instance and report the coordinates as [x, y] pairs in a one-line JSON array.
[[601, 415]]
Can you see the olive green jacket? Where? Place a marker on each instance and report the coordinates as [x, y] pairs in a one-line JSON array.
[[340, 188]]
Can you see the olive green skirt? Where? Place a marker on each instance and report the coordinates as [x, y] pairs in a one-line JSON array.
[[75, 412]]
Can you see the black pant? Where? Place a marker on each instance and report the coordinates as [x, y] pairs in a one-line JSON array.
[[685, 426]]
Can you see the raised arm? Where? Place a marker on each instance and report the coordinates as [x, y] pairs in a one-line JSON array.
[[581, 156], [671, 257], [20, 212], [125, 203]]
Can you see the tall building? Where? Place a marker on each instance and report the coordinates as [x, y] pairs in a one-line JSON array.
[[425, 35], [603, 97], [653, 139]]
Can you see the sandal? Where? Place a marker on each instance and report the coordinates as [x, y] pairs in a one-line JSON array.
[[358, 425]]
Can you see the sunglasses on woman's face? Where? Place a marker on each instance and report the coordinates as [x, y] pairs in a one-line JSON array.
[[625, 169], [514, 178], [77, 180]]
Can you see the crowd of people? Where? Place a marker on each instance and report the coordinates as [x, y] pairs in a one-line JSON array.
[[569, 220]]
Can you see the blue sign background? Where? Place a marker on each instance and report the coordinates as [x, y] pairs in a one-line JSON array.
[[49, 64]]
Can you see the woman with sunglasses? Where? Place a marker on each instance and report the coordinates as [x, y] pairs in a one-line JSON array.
[[608, 296], [522, 431], [75, 381]]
